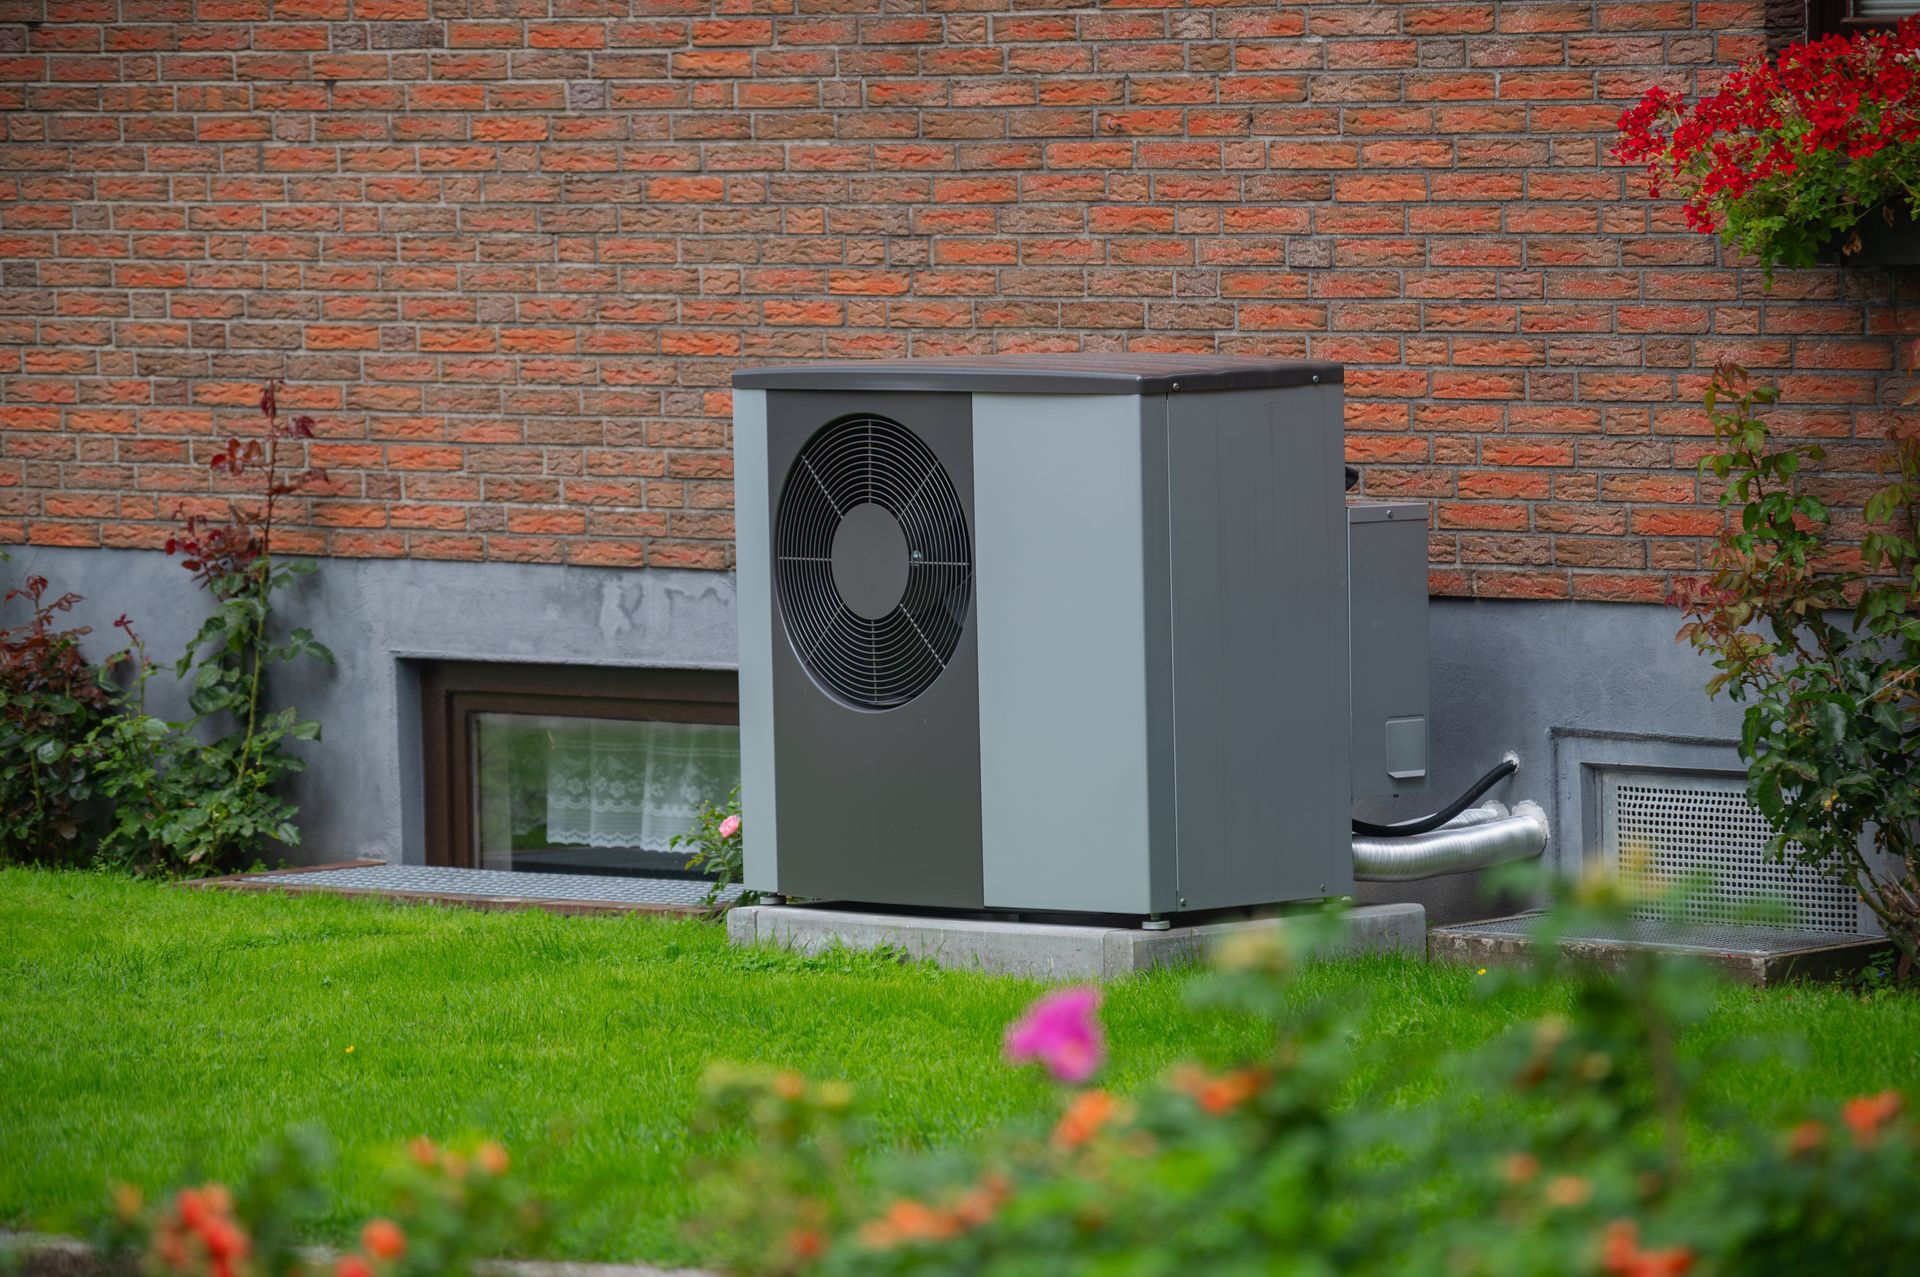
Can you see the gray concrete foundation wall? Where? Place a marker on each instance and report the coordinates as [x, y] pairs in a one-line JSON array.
[[1566, 685], [360, 796]]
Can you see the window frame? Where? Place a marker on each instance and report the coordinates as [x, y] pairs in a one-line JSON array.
[[452, 692], [1834, 17]]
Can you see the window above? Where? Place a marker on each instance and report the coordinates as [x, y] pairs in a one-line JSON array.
[[1839, 17]]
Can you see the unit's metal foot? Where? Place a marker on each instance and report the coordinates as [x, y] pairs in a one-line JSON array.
[[1155, 923]]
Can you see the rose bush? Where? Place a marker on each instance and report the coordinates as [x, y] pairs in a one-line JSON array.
[[449, 1209], [1564, 1150], [717, 848], [1821, 642], [1787, 156]]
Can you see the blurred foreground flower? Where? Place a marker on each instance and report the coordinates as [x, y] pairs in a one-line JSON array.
[[1062, 1032]]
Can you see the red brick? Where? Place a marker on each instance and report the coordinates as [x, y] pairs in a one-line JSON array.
[[516, 278]]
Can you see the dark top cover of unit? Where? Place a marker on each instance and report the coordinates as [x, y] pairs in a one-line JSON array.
[[1092, 374]]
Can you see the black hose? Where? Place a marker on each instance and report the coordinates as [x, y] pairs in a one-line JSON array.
[[1427, 824]]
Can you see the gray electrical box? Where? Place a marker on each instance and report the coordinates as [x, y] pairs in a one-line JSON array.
[[1044, 633], [1387, 557]]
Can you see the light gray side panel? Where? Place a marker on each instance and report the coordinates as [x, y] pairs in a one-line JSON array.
[[1063, 705], [754, 608], [1260, 645]]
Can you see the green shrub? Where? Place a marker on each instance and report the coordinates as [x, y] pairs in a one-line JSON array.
[[51, 701]]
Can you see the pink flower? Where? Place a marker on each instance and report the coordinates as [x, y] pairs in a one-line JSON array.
[[730, 826], [1062, 1032]]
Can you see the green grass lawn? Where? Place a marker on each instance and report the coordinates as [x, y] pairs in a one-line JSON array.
[[149, 1033]]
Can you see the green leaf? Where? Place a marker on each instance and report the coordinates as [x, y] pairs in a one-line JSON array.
[[1830, 721]]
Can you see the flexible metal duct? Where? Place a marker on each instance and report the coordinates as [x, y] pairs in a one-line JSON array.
[[1475, 839], [1485, 812]]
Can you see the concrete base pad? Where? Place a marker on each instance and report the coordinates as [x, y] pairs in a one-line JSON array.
[[1045, 950]]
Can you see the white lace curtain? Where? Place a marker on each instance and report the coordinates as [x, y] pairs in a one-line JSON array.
[[546, 781]]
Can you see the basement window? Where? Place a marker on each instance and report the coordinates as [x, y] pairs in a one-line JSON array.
[[1842, 17], [573, 769]]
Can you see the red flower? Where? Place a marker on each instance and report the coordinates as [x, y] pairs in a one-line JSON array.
[[806, 1243], [383, 1239], [1806, 1139], [1622, 1256]]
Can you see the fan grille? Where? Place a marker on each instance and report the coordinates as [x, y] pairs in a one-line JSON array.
[[883, 662]]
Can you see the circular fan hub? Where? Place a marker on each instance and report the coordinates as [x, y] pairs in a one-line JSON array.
[[870, 561]]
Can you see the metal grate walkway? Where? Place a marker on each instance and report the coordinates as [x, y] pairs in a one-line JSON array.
[[497, 887], [1682, 936]]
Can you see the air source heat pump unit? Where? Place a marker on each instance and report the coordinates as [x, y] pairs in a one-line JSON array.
[[1044, 633]]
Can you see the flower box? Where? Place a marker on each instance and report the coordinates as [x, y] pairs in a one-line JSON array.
[[1888, 236], [1778, 156]]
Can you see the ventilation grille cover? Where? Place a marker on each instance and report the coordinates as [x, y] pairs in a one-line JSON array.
[[873, 562], [1672, 826]]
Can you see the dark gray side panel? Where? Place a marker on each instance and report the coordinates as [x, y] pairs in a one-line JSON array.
[[1387, 550], [1163, 867], [880, 806], [1259, 591]]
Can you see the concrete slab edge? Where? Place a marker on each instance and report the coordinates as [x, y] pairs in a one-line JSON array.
[[1760, 970], [1045, 950]]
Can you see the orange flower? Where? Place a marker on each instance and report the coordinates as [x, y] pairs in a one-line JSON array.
[[977, 1205], [1568, 1190], [1229, 1091], [1806, 1138], [1520, 1168], [1083, 1119], [909, 1221], [1866, 1114], [352, 1266], [491, 1158], [127, 1201], [423, 1152], [383, 1239], [1187, 1079], [789, 1086], [172, 1249]]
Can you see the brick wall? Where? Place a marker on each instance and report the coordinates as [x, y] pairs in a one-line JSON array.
[[508, 251]]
